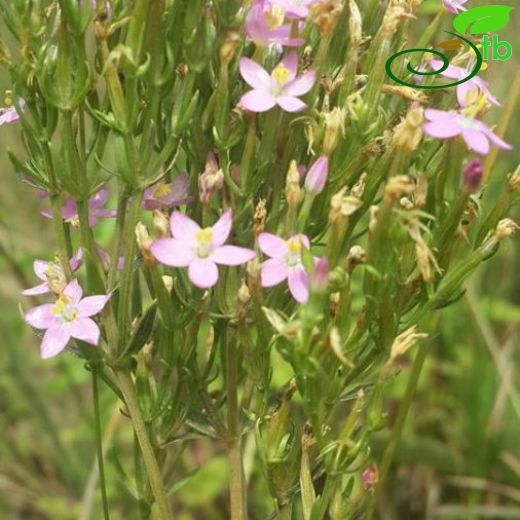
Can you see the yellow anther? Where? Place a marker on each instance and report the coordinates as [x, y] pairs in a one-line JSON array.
[[204, 236], [281, 74], [294, 246], [274, 17], [162, 190]]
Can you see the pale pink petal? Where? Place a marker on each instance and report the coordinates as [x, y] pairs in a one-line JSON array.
[[299, 284], [86, 330], [300, 85], [73, 291], [54, 341], [98, 199], [183, 227], [290, 62], [257, 101], [303, 239], [91, 305], [451, 72], [254, 74], [462, 92], [432, 114], [41, 317], [442, 129], [476, 140], [290, 104], [273, 272], [203, 273], [40, 267], [173, 252], [232, 255], [43, 288], [103, 213], [496, 140], [222, 228], [76, 260], [272, 245]]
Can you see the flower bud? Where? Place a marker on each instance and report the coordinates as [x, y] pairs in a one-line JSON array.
[[293, 192], [161, 224], [143, 243], [369, 476], [319, 278], [317, 175], [334, 129], [472, 175], [356, 256], [506, 228], [211, 179]]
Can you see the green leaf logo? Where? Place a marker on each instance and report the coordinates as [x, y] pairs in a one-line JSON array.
[[488, 18]]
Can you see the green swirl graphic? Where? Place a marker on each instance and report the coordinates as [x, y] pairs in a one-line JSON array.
[[445, 64]]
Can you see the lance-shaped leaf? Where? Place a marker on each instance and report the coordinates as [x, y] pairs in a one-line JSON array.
[[484, 19]]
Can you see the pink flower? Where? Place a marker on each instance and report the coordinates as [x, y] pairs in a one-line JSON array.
[[370, 476], [285, 262], [9, 114], [165, 195], [466, 90], [69, 317], [294, 8], [280, 88], [472, 175], [475, 133], [317, 175], [264, 25], [52, 272], [199, 249], [69, 210], [454, 6]]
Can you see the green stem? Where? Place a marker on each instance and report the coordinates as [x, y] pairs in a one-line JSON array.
[[152, 467], [398, 426], [99, 445]]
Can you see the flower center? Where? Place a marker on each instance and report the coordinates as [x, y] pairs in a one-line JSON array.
[[274, 17], [281, 74], [295, 248], [204, 238], [64, 309], [162, 191]]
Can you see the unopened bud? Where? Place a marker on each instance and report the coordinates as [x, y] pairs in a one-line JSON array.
[[370, 476], [506, 228], [317, 176], [210, 180], [408, 133], [334, 129], [319, 278], [144, 243], [161, 224], [472, 175], [293, 192]]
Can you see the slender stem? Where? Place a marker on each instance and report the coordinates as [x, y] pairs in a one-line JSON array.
[[398, 426], [152, 467], [99, 445], [237, 489]]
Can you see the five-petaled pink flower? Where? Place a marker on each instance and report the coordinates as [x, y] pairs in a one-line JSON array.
[[280, 88], [454, 6], [200, 249], [476, 134], [69, 211], [294, 8], [53, 272], [285, 262], [165, 195], [467, 91], [264, 25], [69, 317]]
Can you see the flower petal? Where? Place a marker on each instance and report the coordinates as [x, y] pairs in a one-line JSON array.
[[291, 104], [98, 199], [203, 273], [432, 114], [257, 101], [300, 85], [496, 140], [86, 330], [442, 129], [272, 245], [40, 267], [76, 260], [92, 305], [43, 288], [476, 140], [183, 227], [173, 252], [290, 62], [254, 74], [73, 291], [299, 284], [41, 317], [54, 341], [273, 272], [222, 228], [232, 255]]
